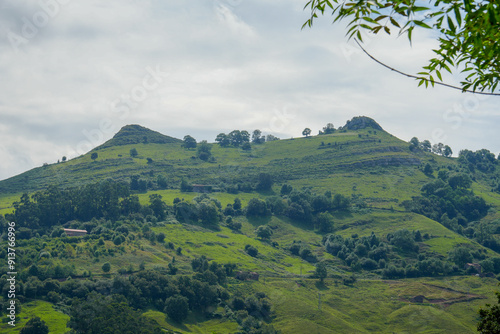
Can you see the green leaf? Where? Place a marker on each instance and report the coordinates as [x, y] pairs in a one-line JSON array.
[[419, 9], [358, 34], [458, 16], [439, 75], [410, 29], [394, 22], [451, 25], [421, 24]]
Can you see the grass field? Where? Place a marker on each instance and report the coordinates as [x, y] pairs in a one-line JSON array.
[[55, 320]]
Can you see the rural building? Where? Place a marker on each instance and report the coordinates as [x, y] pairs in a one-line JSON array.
[[245, 275], [74, 233]]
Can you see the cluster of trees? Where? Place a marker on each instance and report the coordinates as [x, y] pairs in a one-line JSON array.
[[302, 249], [202, 210], [235, 138], [382, 255], [56, 206], [203, 149], [426, 146], [449, 200], [300, 205], [241, 138], [482, 160], [252, 313], [92, 301], [328, 129]]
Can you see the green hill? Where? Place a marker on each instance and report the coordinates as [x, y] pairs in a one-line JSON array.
[[391, 222]]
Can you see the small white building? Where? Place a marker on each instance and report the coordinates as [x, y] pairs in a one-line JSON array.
[[74, 233]]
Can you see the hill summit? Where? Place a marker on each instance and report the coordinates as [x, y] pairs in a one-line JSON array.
[[136, 134], [362, 122]]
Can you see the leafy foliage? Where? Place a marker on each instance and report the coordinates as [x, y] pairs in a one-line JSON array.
[[468, 33], [35, 326], [490, 318], [108, 315]]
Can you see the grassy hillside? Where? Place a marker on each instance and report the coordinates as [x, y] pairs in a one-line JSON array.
[[375, 170]]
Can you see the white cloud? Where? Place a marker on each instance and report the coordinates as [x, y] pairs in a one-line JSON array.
[[230, 63]]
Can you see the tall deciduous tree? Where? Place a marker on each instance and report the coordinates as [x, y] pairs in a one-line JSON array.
[[35, 326], [306, 132], [467, 31], [189, 142], [490, 318], [321, 271]]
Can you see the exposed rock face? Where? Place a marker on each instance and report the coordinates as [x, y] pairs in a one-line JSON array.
[[362, 122]]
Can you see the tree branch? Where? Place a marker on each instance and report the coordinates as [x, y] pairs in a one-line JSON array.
[[421, 78]]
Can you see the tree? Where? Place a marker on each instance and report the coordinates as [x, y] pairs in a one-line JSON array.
[[204, 151], [324, 222], [235, 138], [329, 128], [106, 267], [158, 206], [94, 156], [223, 140], [35, 326], [438, 148], [189, 142], [63, 159], [426, 146], [133, 152], [490, 317], [461, 256], [265, 182], [447, 152], [186, 186], [246, 147], [161, 181], [177, 308], [256, 207], [321, 271], [414, 144], [467, 32], [404, 240], [251, 250], [264, 232], [257, 137], [306, 132], [428, 170], [108, 315], [271, 138], [237, 204], [208, 213]]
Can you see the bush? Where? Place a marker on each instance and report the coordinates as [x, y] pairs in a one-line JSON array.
[[368, 264], [35, 326], [177, 308], [251, 250], [106, 267], [257, 207]]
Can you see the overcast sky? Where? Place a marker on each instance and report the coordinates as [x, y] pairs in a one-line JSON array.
[[73, 72]]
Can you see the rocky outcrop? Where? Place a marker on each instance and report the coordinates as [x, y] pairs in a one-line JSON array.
[[362, 122]]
